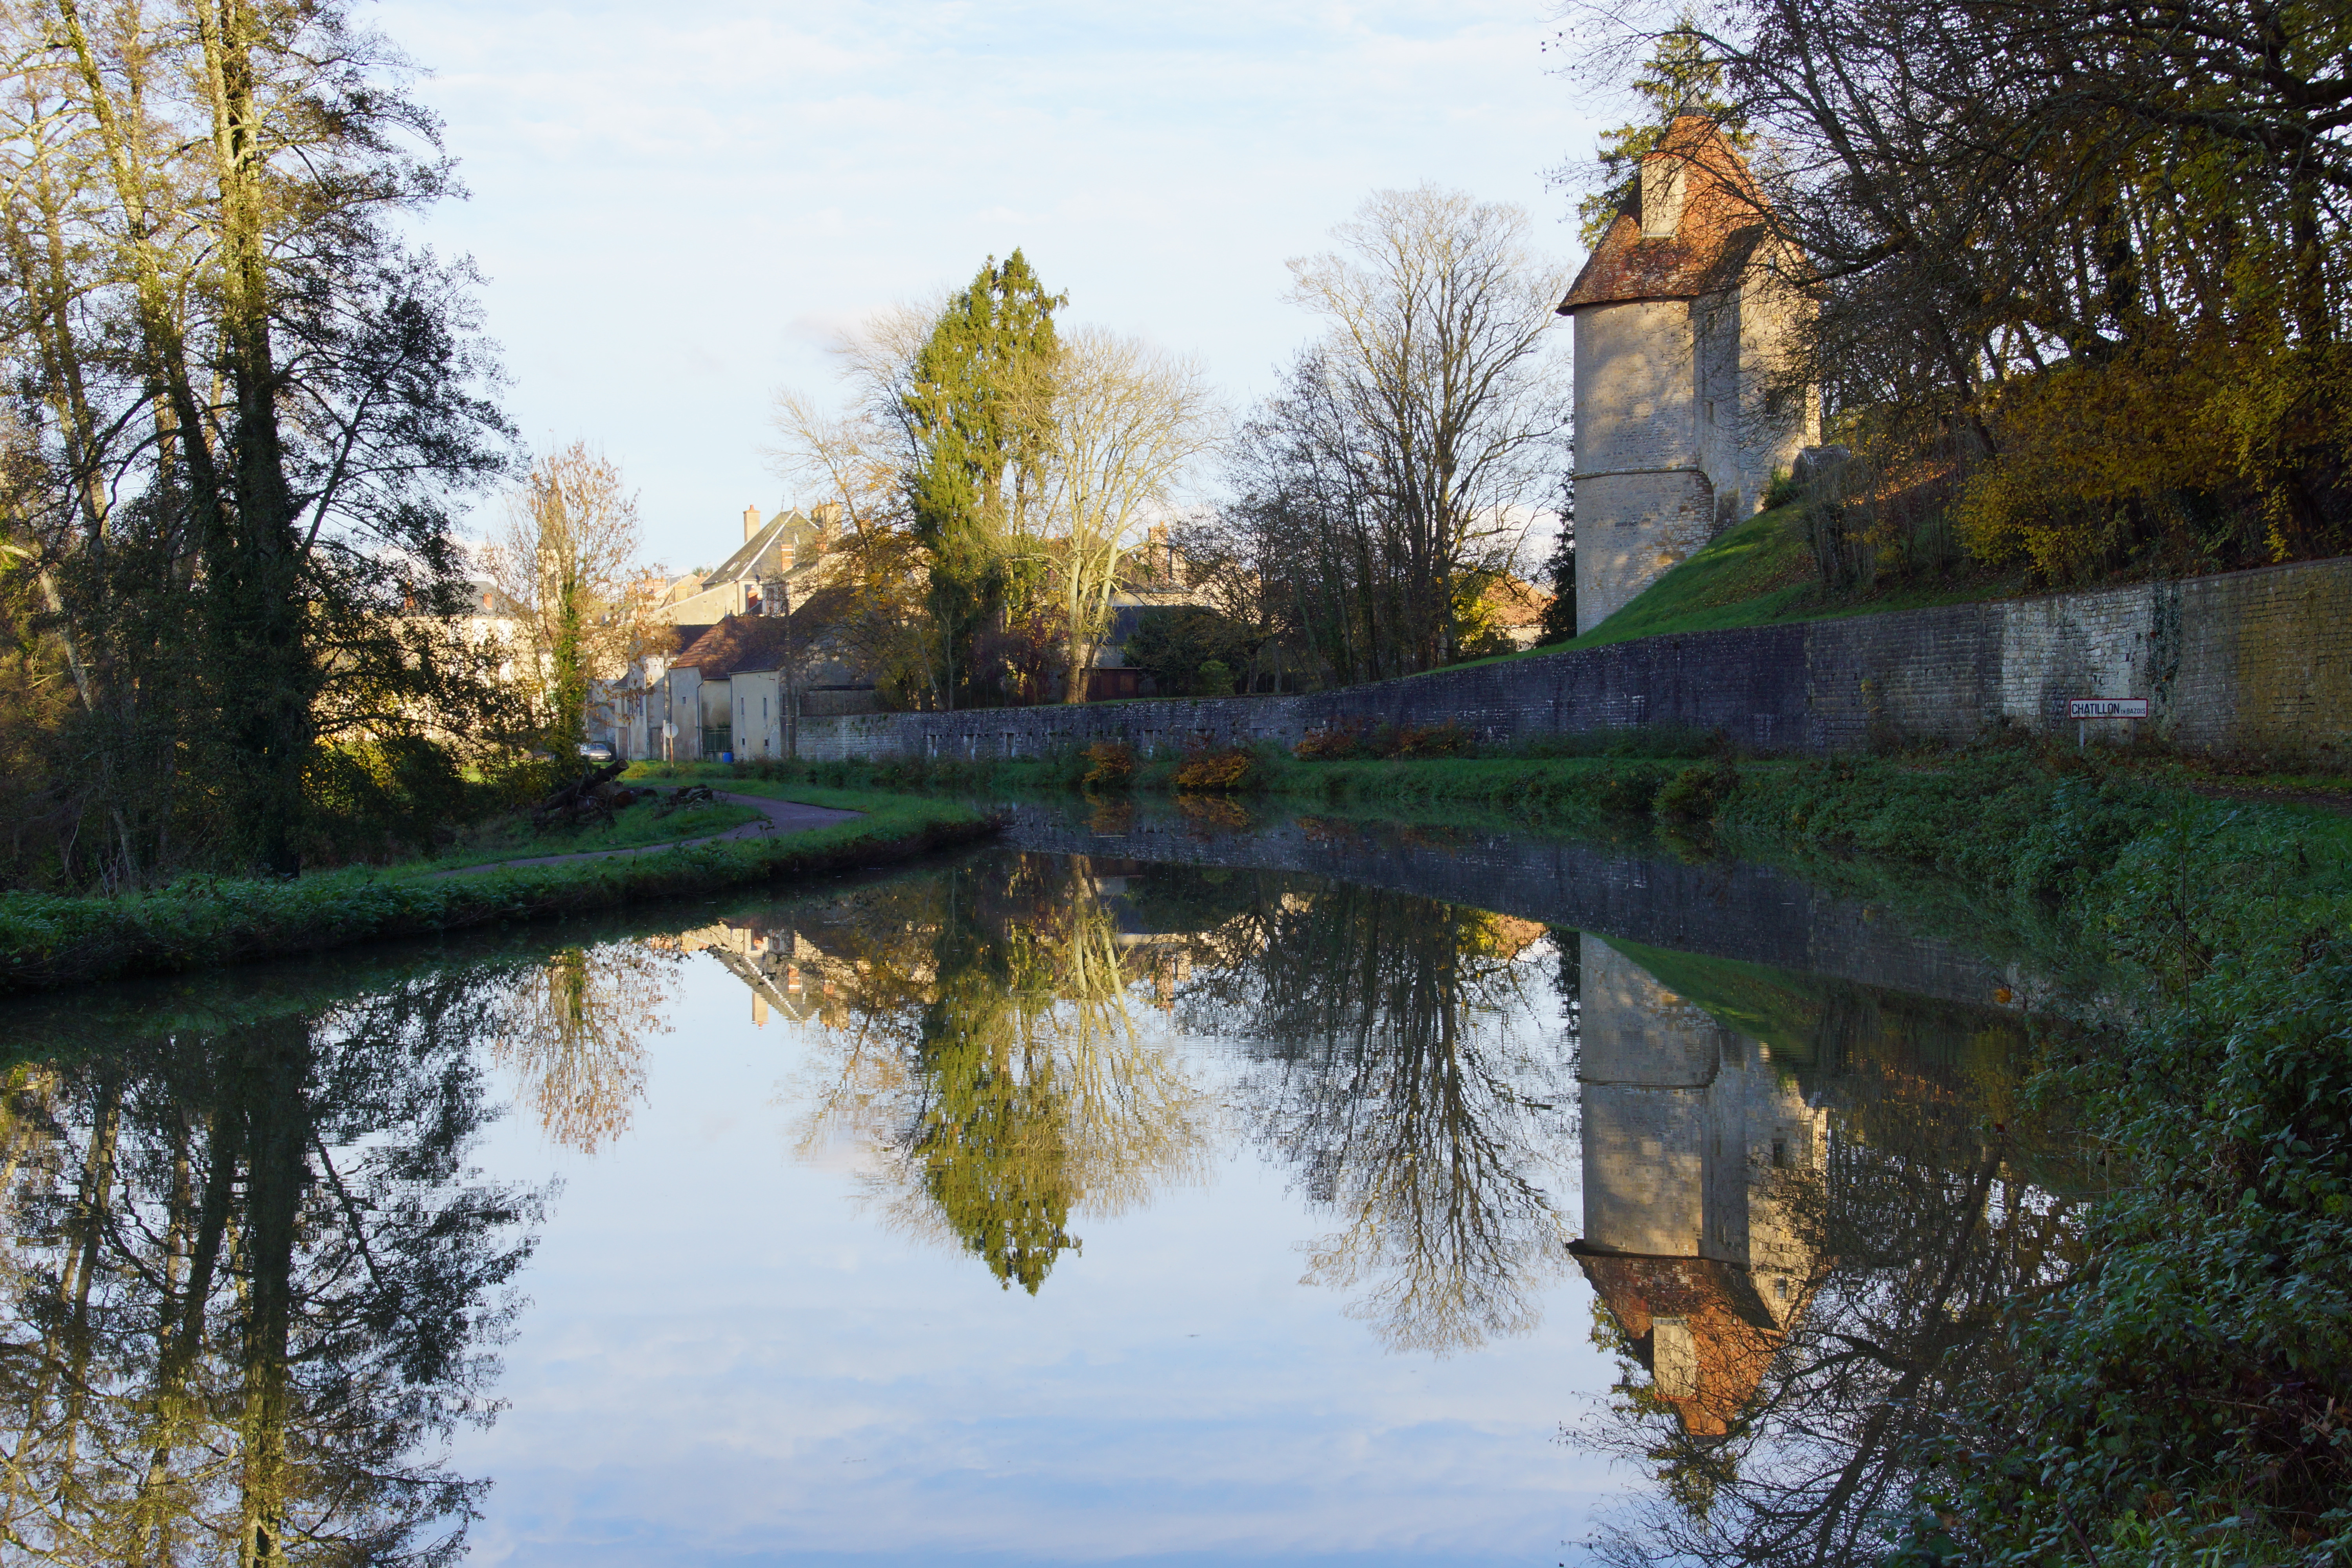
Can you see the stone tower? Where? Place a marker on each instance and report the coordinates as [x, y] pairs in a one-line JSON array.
[[1684, 317]]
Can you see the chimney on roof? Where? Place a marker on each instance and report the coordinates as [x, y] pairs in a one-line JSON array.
[[827, 514], [750, 522], [1664, 178]]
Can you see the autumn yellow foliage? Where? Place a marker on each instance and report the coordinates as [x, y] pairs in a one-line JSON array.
[[2180, 462]]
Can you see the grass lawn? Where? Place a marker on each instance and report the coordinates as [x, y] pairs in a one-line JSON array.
[[632, 827]]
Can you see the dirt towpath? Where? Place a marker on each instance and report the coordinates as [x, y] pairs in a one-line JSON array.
[[776, 816]]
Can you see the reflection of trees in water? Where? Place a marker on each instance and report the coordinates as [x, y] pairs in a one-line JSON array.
[[249, 1284], [1927, 1227], [571, 1028], [1388, 1072], [986, 1043]]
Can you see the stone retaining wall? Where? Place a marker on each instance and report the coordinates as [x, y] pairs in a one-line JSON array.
[[2248, 661]]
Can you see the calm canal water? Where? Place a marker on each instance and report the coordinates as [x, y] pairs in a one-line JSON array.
[[1160, 1189]]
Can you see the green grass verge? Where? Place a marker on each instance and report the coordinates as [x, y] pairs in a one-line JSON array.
[[633, 828], [199, 922], [1751, 575]]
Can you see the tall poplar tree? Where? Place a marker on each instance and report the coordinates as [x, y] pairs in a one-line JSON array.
[[980, 411]]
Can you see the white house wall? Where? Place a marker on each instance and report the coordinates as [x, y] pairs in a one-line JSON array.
[[759, 714]]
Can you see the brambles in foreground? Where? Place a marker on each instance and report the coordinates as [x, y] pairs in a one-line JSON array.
[[1695, 794], [1344, 742]]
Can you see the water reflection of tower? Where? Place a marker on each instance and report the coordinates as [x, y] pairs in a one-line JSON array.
[[1700, 1160]]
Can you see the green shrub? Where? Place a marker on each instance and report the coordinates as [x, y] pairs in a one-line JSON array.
[[1695, 794], [1214, 679], [1630, 790]]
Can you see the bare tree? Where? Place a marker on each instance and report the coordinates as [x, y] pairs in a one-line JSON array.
[[856, 457], [567, 560], [1436, 364], [1129, 421]]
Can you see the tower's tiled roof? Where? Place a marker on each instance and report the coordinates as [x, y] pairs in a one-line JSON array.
[[1720, 231], [1731, 1329]]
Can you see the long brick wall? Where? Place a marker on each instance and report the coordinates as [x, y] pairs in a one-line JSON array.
[[2248, 661]]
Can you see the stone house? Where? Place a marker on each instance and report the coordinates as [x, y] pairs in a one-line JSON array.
[[737, 689], [1685, 319], [755, 643], [781, 559]]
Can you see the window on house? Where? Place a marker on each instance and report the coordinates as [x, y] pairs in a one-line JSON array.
[[1710, 410], [1780, 1153]]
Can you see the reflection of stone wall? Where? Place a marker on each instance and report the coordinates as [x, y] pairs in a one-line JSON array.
[[1726, 908], [2255, 659]]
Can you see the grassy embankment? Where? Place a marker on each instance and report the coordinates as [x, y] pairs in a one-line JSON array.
[[1761, 574], [204, 922]]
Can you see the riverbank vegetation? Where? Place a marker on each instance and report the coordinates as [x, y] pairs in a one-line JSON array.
[[202, 921], [2177, 1399]]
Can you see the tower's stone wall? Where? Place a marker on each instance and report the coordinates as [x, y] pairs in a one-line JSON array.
[[1684, 317]]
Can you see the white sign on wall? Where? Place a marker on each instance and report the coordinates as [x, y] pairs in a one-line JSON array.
[[2107, 708]]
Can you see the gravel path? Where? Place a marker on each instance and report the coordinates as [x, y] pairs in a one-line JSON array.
[[776, 816]]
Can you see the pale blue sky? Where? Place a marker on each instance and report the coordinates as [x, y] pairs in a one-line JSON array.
[[677, 204]]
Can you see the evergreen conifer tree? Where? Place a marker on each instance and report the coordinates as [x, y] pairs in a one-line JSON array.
[[1682, 76], [980, 412], [1559, 615]]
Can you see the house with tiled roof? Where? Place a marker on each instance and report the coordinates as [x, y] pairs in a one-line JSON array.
[[780, 558], [1686, 319], [741, 686]]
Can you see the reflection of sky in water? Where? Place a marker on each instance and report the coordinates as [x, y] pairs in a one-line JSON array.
[[730, 1357]]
